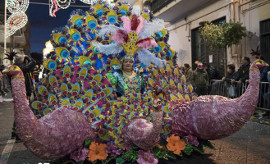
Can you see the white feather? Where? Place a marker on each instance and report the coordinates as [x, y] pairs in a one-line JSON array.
[[151, 28], [76, 49], [88, 36], [136, 10], [109, 49], [146, 57], [105, 29]]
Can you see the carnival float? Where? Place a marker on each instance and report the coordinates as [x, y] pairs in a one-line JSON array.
[[88, 109]]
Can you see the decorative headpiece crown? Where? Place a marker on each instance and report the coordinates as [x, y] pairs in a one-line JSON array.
[[131, 47]]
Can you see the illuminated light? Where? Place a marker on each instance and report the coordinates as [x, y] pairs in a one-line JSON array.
[[86, 1], [48, 49], [15, 22], [64, 4], [18, 18]]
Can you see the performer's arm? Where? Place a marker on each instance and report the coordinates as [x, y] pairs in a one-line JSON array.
[[112, 78]]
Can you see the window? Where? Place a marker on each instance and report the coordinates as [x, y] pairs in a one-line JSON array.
[[201, 52], [265, 39]]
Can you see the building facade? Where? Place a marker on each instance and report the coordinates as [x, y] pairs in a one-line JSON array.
[[184, 17]]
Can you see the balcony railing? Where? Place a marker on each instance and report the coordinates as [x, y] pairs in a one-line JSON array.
[[159, 4]]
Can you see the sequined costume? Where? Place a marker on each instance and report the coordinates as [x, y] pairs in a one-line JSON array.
[[125, 85]]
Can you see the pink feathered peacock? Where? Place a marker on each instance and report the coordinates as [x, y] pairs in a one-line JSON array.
[[76, 101]]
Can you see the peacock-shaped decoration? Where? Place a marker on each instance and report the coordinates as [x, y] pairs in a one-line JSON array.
[[162, 121]]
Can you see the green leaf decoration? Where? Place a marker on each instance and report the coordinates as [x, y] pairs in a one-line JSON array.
[[188, 149], [170, 155], [120, 160], [203, 143], [87, 143], [207, 144], [107, 161], [159, 152], [198, 149], [131, 155]]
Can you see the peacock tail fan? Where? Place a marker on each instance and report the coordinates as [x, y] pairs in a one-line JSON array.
[[74, 87], [172, 81]]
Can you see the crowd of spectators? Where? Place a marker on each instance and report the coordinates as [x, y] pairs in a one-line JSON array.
[[207, 80]]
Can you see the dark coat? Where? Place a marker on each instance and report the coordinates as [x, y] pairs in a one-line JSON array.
[[263, 73], [242, 73], [229, 76], [26, 69], [200, 78], [213, 73]]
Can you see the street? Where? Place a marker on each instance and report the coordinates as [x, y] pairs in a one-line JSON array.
[[248, 146]]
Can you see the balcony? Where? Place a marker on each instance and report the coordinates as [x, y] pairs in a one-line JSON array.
[[129, 1], [174, 10], [159, 4]]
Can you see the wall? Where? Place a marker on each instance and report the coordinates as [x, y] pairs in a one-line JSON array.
[[250, 13], [180, 32]]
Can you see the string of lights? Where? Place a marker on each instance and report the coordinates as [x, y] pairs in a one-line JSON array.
[[47, 4], [17, 8]]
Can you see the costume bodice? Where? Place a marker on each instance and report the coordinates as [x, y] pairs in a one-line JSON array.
[[125, 85]]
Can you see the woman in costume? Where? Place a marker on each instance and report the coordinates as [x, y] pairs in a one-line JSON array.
[[126, 79]]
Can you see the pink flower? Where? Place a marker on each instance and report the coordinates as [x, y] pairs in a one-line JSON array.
[[113, 150], [79, 155], [146, 157], [192, 140]]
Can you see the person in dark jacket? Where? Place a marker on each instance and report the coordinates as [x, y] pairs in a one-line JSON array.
[[241, 77], [263, 86], [26, 64], [267, 94], [218, 85], [212, 72], [230, 73], [38, 57], [2, 76], [188, 72], [200, 80], [263, 71], [230, 88]]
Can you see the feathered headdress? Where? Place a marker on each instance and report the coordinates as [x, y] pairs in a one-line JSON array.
[[133, 38], [10, 56], [256, 52]]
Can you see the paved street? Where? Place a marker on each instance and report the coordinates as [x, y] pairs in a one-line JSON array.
[[250, 145]]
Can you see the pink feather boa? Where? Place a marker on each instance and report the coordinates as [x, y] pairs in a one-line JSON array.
[[126, 24], [141, 24], [147, 43], [120, 37]]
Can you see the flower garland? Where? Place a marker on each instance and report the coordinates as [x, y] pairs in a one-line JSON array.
[[168, 148]]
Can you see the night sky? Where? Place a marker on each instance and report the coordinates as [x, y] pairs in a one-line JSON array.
[[41, 24]]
